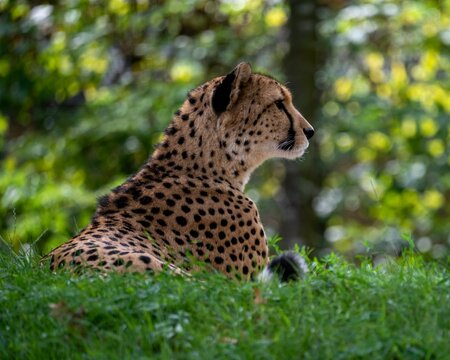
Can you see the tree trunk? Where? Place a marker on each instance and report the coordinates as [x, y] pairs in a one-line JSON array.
[[299, 222]]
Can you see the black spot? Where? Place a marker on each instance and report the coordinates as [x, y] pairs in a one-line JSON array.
[[145, 259], [121, 202], [78, 252], [161, 222], [92, 258], [144, 223], [194, 233], [181, 220], [119, 262], [159, 195], [222, 235], [185, 209], [170, 202], [218, 260], [181, 140], [139, 211], [171, 130], [155, 210], [209, 234], [185, 117], [144, 200], [134, 191], [104, 201], [160, 232], [167, 212]]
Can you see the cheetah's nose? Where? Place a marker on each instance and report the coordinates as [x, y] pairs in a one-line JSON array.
[[309, 132]]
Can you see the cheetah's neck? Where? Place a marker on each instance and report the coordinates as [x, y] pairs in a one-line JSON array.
[[177, 161], [192, 147]]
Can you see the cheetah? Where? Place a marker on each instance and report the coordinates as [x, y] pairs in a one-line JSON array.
[[186, 205]]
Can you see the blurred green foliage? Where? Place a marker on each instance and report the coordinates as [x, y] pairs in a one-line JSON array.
[[386, 125], [86, 89]]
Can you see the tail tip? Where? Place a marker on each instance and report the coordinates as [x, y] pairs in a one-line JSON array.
[[288, 266]]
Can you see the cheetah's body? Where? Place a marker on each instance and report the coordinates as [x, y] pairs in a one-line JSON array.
[[187, 201]]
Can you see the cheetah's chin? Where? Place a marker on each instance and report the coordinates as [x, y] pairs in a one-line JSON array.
[[296, 152]]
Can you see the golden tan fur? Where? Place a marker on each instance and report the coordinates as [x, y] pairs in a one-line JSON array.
[[187, 202]]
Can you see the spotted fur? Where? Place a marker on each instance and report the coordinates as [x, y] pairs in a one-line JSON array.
[[186, 205]]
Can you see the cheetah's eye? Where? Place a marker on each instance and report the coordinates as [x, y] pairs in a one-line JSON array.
[[279, 104]]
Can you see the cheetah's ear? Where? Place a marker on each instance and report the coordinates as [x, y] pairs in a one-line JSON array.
[[227, 92]]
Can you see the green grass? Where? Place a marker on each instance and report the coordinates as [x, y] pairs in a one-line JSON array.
[[339, 311]]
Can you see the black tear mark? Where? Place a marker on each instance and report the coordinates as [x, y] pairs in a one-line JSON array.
[[288, 143]]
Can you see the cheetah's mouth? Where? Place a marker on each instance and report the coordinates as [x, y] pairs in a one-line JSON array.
[[288, 143]]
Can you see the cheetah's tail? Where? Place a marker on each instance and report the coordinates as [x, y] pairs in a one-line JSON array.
[[287, 266]]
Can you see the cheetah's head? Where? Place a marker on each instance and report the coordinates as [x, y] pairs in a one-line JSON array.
[[256, 118]]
